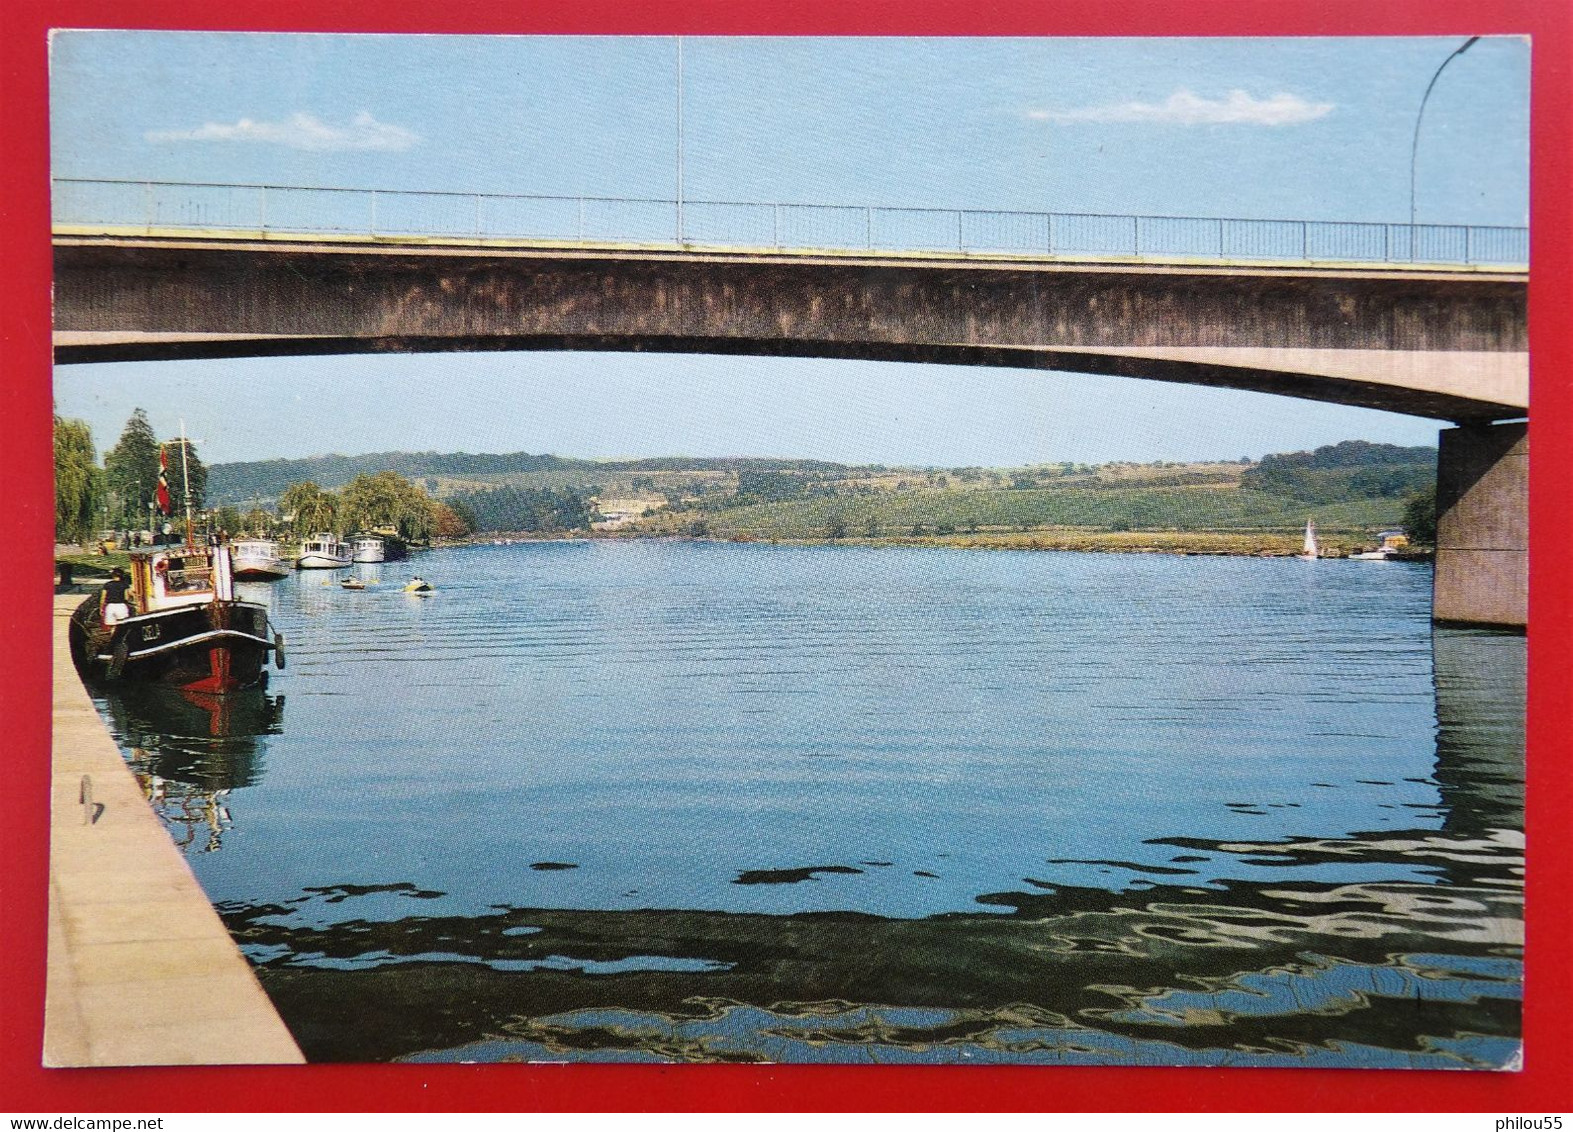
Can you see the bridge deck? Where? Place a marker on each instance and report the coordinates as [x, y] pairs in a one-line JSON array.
[[361, 241], [1446, 341]]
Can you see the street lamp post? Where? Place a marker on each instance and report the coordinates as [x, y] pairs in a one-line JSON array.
[[1414, 146], [679, 139]]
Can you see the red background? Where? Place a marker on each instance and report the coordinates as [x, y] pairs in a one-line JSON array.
[[26, 526]]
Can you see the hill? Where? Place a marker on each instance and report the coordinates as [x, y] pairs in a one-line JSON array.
[[1354, 469], [264, 481], [1355, 486]]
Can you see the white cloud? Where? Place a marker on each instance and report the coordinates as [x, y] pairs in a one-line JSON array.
[[1182, 108], [299, 131]]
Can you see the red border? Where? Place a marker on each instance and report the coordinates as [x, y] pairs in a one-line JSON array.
[[24, 612]]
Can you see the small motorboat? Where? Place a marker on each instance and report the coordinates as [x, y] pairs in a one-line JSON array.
[[352, 584], [1390, 544], [418, 586]]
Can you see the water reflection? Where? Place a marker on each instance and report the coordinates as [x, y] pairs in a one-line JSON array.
[[189, 750], [686, 814], [1284, 971], [1480, 695], [1273, 974]]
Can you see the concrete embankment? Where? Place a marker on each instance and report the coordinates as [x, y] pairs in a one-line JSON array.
[[141, 970]]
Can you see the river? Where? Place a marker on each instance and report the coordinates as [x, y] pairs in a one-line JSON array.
[[673, 801]]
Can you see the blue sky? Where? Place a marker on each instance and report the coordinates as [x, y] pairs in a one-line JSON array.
[[1316, 129]]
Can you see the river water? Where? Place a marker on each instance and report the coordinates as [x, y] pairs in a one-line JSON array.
[[656, 801]]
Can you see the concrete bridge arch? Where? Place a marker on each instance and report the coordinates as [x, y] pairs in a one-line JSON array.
[[1449, 343]]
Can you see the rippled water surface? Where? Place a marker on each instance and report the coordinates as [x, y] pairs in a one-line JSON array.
[[693, 801]]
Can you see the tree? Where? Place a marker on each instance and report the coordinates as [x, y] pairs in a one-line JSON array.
[[770, 487], [388, 501], [523, 509], [307, 508], [257, 521], [227, 519], [78, 482], [466, 516], [449, 523], [131, 470], [1420, 516], [180, 471]]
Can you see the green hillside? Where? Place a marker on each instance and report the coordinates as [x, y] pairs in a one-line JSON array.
[[1354, 487], [265, 480], [1114, 509]]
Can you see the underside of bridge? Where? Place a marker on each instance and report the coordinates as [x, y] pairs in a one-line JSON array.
[[1440, 343]]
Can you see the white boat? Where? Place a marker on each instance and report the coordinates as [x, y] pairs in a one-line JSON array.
[[1392, 543], [257, 558], [369, 548], [323, 552], [1310, 550]]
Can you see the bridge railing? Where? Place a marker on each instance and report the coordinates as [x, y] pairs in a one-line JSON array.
[[296, 210]]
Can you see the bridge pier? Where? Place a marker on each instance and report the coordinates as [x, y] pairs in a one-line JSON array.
[[1482, 530]]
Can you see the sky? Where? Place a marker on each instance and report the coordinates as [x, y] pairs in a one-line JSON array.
[[1266, 128]]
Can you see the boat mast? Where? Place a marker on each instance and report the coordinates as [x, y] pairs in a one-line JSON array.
[[185, 474]]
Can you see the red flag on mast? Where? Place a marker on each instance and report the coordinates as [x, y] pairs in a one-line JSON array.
[[163, 480]]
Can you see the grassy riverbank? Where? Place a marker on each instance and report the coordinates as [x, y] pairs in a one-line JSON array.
[[1270, 544]]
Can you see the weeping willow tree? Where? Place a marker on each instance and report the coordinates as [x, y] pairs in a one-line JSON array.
[[78, 481], [387, 501], [307, 509]]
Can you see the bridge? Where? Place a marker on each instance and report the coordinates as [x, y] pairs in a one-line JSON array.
[[1428, 320]]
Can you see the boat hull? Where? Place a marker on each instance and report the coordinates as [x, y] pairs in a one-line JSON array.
[[253, 572], [215, 647], [321, 562]]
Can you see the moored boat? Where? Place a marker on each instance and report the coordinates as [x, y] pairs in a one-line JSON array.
[[256, 558], [394, 548], [369, 548], [323, 552], [1391, 544], [178, 623]]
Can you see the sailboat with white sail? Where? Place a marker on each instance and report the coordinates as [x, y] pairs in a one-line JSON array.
[[1310, 551]]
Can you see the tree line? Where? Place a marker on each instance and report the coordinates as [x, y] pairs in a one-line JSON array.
[[1353, 469], [123, 493], [267, 479], [527, 509], [384, 501]]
